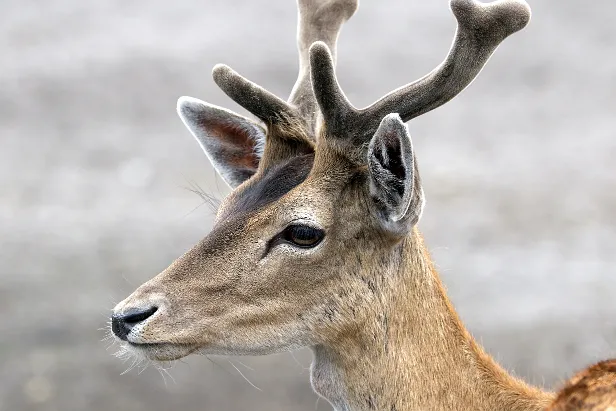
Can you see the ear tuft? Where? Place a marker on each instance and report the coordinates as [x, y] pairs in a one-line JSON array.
[[234, 144], [395, 186]]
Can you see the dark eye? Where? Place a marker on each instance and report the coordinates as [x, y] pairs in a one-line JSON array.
[[303, 236]]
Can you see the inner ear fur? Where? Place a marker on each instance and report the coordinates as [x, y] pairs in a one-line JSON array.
[[233, 143], [394, 183]]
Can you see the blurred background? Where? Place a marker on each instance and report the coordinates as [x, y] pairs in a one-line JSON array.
[[519, 173]]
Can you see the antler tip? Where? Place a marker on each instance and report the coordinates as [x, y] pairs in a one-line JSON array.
[[510, 15], [319, 47], [320, 57], [220, 72], [524, 12], [518, 12], [316, 8]]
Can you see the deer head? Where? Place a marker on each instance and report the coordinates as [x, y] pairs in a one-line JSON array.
[[325, 200]]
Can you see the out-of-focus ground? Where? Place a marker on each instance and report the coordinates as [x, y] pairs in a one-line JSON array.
[[519, 173]]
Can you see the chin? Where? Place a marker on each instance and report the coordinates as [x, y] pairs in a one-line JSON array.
[[156, 352]]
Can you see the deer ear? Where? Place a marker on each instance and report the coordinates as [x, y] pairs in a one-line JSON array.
[[395, 186], [234, 144]]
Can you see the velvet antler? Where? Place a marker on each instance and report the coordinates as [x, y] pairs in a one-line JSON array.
[[319, 20], [481, 28]]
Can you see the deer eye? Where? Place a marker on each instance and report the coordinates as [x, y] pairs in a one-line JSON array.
[[303, 236]]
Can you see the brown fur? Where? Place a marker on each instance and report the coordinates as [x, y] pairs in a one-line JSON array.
[[593, 389], [384, 333]]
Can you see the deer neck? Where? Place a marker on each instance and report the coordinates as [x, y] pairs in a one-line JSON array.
[[409, 350]]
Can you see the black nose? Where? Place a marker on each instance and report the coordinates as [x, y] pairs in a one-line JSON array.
[[121, 324]]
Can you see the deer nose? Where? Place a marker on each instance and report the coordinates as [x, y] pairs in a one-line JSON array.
[[121, 324]]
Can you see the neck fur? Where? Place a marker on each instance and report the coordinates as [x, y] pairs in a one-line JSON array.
[[409, 350]]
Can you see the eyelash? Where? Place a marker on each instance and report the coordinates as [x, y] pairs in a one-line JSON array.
[[290, 236], [302, 235]]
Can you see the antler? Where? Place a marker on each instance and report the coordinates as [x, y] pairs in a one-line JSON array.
[[481, 28], [254, 98], [319, 20]]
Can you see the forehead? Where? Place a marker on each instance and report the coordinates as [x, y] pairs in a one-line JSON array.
[[269, 186]]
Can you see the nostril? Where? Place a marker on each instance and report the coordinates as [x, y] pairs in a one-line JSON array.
[[122, 324], [136, 316]]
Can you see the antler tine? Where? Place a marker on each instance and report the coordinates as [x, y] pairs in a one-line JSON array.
[[318, 20], [254, 98], [335, 108], [481, 28]]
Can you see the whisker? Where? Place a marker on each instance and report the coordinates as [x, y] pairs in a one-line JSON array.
[[164, 378], [218, 365], [127, 281], [165, 371], [304, 368], [238, 370], [135, 360], [194, 209], [247, 367], [209, 199]]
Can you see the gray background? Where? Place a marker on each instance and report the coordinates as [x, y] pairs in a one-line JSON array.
[[519, 175]]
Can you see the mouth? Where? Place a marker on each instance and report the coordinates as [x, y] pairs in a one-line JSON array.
[[146, 345], [161, 351]]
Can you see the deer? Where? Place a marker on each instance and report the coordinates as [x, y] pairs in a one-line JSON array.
[[593, 389], [317, 244]]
